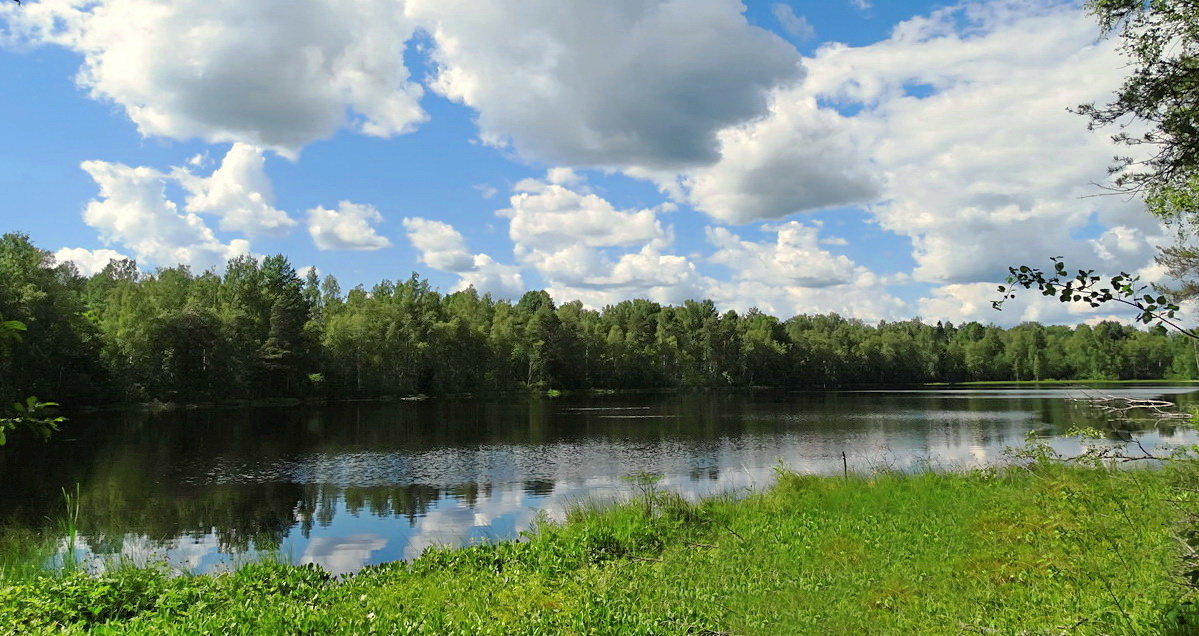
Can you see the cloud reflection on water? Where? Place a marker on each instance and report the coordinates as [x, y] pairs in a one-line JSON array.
[[362, 503]]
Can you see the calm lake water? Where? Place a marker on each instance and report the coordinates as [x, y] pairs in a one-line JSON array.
[[349, 485]]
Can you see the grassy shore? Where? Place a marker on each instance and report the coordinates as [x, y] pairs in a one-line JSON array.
[[1049, 550]]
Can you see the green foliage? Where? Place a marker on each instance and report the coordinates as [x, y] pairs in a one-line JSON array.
[[1160, 38], [260, 331], [30, 415], [70, 524], [1181, 263], [1089, 288], [1176, 203], [10, 332], [992, 551]]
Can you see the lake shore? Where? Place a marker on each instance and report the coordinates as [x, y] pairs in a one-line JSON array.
[[234, 403], [1035, 550]]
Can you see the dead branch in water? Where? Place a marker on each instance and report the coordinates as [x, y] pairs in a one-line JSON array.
[[1126, 409]]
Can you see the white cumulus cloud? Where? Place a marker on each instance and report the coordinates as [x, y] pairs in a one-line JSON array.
[[795, 258], [442, 247], [867, 299], [954, 134], [349, 227], [87, 261], [548, 215], [989, 168], [598, 280], [134, 211], [801, 157], [273, 73], [490, 277], [963, 302], [239, 192], [587, 249], [623, 83], [794, 274]]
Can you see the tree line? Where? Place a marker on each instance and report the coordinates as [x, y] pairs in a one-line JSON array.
[[261, 329]]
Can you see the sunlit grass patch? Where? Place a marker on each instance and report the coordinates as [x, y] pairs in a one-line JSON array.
[[1016, 551]]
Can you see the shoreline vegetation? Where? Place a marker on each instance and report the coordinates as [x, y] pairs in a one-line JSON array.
[[1084, 383], [155, 405], [1046, 548], [261, 328]]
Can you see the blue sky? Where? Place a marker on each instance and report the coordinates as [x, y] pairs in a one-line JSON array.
[[880, 159]]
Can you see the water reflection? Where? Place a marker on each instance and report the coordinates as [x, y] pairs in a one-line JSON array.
[[350, 485], [341, 555]]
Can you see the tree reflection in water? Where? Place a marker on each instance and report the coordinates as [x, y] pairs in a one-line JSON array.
[[347, 485]]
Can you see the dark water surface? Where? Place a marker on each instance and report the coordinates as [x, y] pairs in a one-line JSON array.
[[344, 486]]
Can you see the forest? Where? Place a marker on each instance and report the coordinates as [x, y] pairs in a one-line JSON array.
[[261, 329]]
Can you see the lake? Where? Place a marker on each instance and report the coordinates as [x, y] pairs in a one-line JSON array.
[[348, 485]]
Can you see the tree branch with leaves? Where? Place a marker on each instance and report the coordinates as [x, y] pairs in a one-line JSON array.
[[1094, 290], [31, 414]]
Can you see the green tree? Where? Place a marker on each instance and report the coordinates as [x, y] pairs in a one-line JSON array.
[[191, 360], [543, 344], [1156, 100], [284, 352], [260, 330], [60, 354]]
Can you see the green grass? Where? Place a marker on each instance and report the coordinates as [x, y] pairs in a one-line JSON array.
[[1041, 551]]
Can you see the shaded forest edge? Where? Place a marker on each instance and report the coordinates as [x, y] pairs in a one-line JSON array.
[[261, 330], [1013, 550]]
